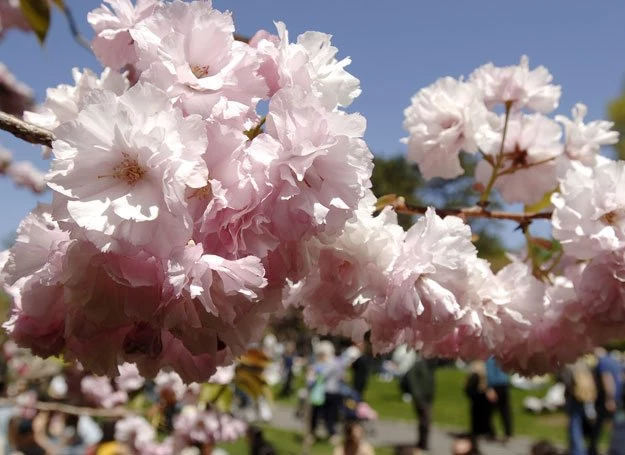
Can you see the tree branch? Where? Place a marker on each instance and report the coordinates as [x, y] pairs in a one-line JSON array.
[[400, 206], [68, 409], [25, 131]]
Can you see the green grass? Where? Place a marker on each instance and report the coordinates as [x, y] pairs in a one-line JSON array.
[[451, 407], [288, 443]]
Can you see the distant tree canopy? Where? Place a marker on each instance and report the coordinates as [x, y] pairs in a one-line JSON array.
[[616, 113]]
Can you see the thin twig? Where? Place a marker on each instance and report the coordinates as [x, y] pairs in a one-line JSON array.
[[73, 28], [471, 212], [25, 131], [68, 409]]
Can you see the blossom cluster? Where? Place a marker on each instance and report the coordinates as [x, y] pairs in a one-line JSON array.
[[177, 205], [202, 182]]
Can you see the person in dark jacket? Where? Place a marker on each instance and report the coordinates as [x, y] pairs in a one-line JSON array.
[[481, 407], [420, 384], [361, 369]]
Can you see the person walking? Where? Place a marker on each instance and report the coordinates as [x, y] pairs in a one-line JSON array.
[[420, 384], [324, 384], [580, 394], [609, 383], [361, 368], [498, 393]]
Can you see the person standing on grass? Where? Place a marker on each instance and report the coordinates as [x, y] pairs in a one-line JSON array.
[[499, 394], [481, 407], [324, 385], [288, 360], [580, 394], [608, 379], [420, 384]]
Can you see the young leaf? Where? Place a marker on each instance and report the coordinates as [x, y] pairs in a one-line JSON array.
[[37, 13]]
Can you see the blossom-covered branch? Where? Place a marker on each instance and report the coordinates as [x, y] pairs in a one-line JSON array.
[[69, 409], [400, 206], [25, 131]]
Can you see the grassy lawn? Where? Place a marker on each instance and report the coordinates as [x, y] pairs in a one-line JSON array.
[[451, 407], [289, 443]]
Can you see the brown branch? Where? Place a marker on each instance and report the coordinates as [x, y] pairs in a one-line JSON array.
[[68, 409], [25, 131], [400, 206]]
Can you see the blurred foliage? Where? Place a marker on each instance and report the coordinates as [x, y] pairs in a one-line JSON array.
[[616, 113]]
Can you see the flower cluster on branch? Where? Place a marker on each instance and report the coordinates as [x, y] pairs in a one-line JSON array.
[[202, 182]]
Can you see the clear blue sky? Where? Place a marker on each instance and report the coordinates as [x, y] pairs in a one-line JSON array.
[[396, 47]]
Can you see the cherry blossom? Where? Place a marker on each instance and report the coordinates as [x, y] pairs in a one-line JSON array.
[[517, 86], [528, 168], [123, 166], [15, 96], [442, 121], [589, 210], [584, 140], [135, 431]]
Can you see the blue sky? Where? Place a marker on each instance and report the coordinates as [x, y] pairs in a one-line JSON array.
[[396, 47]]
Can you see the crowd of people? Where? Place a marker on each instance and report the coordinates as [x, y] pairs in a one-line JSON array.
[[49, 407]]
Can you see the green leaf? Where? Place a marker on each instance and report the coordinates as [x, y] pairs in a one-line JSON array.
[[383, 201], [37, 13], [542, 204], [60, 4]]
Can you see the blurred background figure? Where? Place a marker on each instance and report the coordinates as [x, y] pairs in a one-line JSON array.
[[257, 443], [499, 394], [481, 407], [324, 384], [580, 394], [362, 368], [420, 383], [288, 362], [353, 441], [609, 383]]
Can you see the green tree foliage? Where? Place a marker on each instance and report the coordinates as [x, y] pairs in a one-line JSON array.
[[616, 113]]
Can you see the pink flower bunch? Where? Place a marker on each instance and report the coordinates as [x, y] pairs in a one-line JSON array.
[[180, 203], [99, 391], [15, 96], [11, 17], [23, 173], [136, 432], [453, 116], [193, 426]]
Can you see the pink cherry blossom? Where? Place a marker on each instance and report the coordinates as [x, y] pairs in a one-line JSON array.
[[310, 64], [518, 86], [129, 379], [584, 140], [15, 96], [442, 121], [589, 215], [99, 391], [135, 431], [528, 169], [322, 168], [11, 16], [114, 44], [189, 50], [123, 166]]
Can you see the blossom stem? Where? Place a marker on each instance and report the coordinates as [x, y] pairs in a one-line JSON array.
[[499, 160], [512, 170], [25, 130], [477, 211], [69, 409]]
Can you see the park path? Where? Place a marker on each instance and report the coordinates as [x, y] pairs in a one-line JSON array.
[[389, 433]]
